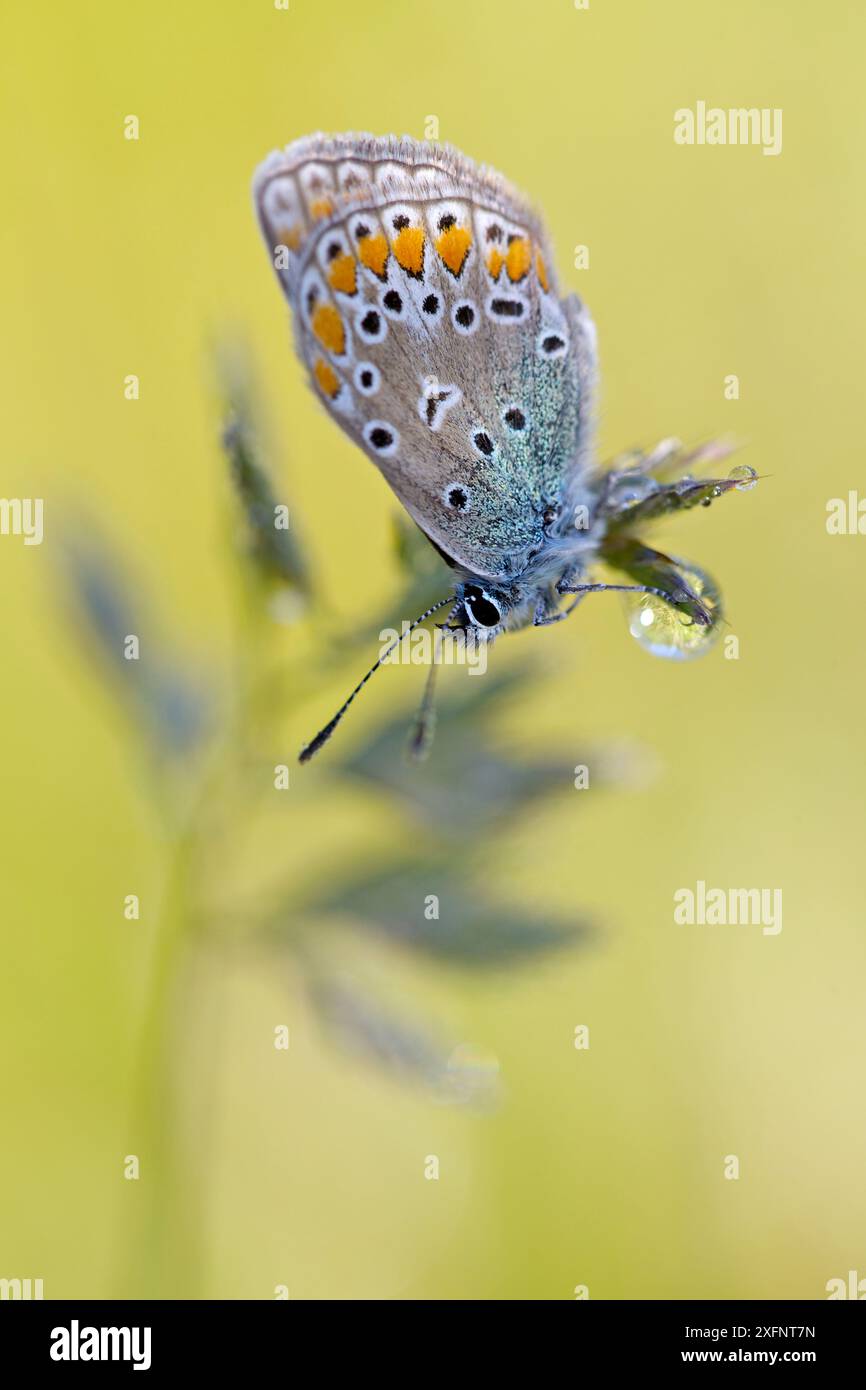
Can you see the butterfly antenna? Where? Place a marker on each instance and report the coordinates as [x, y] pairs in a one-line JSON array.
[[324, 734], [421, 738]]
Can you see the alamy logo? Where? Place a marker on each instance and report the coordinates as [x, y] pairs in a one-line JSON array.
[[76, 1343], [854, 1287], [722, 907], [22, 516], [739, 125], [21, 1288], [846, 516], [440, 647]]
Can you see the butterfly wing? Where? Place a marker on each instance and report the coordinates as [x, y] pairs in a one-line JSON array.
[[426, 311]]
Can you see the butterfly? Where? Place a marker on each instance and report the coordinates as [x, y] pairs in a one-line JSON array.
[[427, 312]]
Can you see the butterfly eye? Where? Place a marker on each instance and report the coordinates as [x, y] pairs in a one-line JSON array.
[[482, 609], [457, 497]]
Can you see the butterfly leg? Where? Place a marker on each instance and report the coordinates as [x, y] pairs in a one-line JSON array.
[[546, 611], [568, 585], [582, 589]]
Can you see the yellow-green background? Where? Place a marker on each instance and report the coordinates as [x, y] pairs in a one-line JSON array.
[[603, 1167]]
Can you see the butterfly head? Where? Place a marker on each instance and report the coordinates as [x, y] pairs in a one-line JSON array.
[[484, 607]]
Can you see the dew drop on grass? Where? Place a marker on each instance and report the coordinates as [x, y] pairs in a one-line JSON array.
[[746, 477], [664, 631]]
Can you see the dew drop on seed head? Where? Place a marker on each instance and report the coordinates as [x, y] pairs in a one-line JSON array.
[[664, 631], [745, 476]]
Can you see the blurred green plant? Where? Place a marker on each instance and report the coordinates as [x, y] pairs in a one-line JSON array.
[[208, 742]]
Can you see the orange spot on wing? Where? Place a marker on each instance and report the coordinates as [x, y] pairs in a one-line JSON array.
[[409, 249], [495, 262], [542, 271], [373, 253], [289, 236], [326, 378], [328, 328], [341, 275], [518, 259], [322, 207], [453, 246]]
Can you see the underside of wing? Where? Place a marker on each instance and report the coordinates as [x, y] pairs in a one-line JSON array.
[[427, 314]]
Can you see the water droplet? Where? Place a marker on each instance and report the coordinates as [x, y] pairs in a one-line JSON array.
[[629, 490], [664, 631], [746, 475]]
